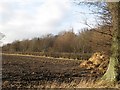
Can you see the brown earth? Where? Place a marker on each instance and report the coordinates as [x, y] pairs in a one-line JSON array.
[[21, 71]]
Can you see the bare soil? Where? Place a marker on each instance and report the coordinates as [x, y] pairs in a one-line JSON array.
[[21, 71]]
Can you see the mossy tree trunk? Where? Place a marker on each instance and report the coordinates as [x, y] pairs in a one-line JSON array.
[[112, 72]]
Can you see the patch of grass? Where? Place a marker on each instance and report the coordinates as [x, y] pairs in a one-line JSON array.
[[55, 84]]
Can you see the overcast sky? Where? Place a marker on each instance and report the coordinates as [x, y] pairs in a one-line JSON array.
[[25, 19]]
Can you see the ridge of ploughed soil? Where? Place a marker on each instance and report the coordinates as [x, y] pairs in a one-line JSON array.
[[28, 68]]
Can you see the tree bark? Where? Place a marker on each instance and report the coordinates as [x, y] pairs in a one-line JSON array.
[[112, 73]]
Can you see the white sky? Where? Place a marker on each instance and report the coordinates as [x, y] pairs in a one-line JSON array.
[[25, 19]]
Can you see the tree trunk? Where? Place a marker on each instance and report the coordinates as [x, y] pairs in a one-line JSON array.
[[112, 72]]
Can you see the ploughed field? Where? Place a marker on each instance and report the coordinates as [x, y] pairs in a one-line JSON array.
[[21, 71]]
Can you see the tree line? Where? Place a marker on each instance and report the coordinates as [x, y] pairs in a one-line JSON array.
[[86, 41]]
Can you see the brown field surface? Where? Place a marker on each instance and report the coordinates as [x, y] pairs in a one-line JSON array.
[[20, 71]]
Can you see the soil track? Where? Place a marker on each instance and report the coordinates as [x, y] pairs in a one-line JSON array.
[[28, 68]]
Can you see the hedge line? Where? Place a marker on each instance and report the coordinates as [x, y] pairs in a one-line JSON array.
[[77, 56]]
